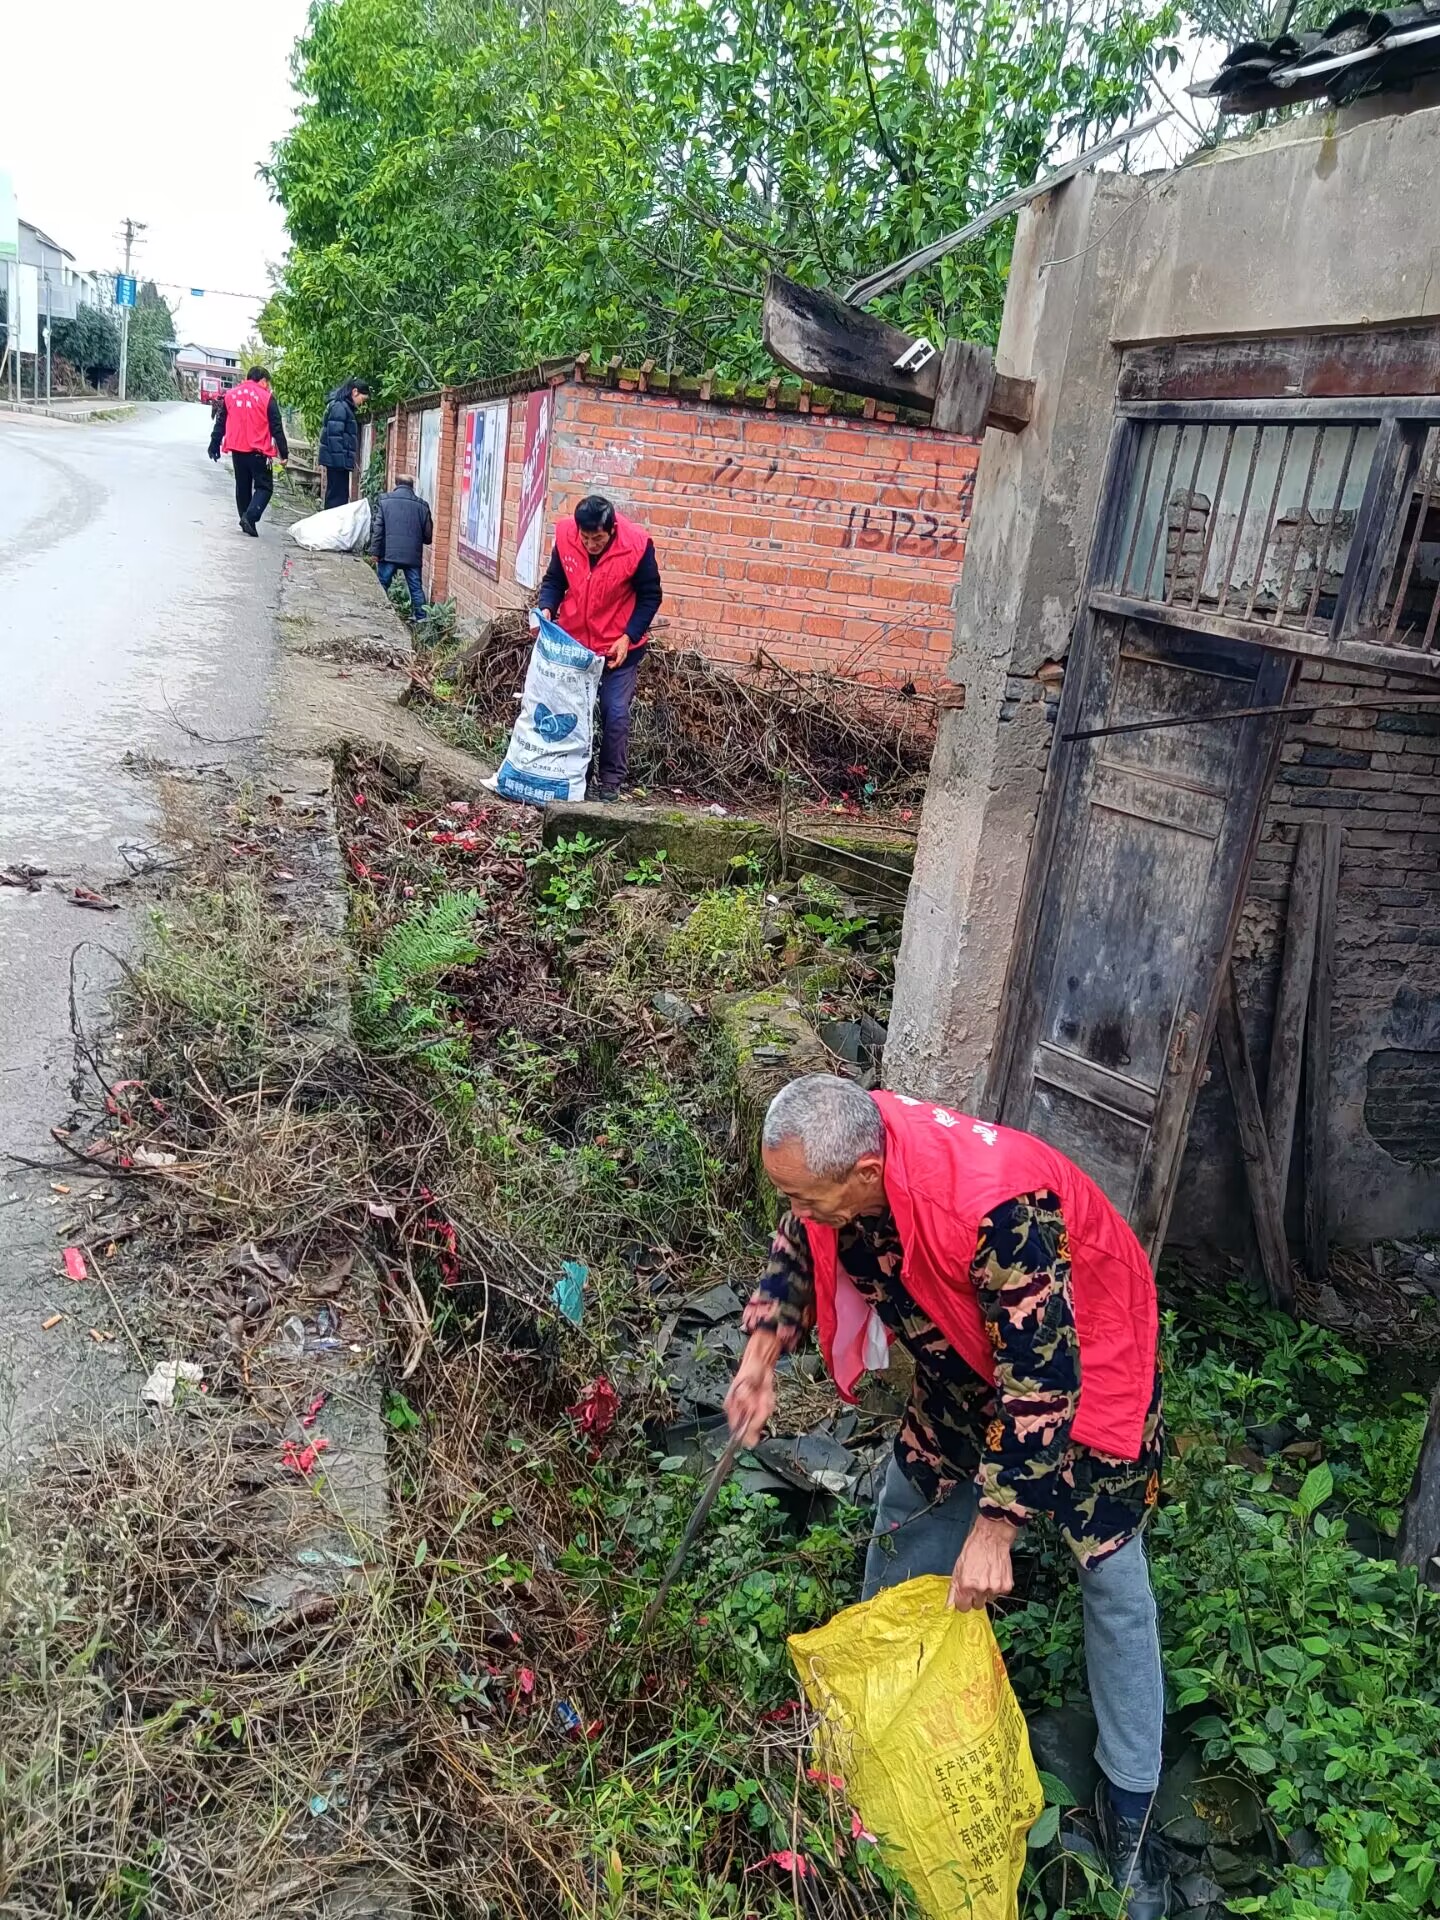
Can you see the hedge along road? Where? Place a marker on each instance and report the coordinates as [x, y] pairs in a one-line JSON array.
[[126, 591]]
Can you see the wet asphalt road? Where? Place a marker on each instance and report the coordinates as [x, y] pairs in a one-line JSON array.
[[131, 607]]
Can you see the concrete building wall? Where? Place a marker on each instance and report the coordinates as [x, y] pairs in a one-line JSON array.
[[1320, 225]]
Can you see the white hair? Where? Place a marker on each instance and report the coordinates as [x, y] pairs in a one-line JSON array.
[[835, 1122]]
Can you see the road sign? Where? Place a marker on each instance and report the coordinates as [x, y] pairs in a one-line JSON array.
[[124, 290]]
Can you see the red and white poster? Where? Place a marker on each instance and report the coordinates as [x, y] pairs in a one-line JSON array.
[[484, 433], [534, 480]]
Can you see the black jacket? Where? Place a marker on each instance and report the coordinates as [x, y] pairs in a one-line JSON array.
[[339, 443], [272, 416], [645, 580], [401, 527]]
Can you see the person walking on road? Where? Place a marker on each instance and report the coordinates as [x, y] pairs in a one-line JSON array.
[[1029, 1310], [338, 449], [603, 587], [248, 427], [401, 530]]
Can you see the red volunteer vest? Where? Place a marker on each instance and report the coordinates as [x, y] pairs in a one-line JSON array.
[[247, 420], [599, 600], [943, 1174]]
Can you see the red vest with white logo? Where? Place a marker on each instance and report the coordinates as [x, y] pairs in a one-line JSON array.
[[247, 420], [599, 600], [944, 1172]]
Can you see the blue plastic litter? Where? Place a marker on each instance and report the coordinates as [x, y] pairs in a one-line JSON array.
[[568, 1294]]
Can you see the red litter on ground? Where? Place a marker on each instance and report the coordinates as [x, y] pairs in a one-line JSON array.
[[75, 1264], [596, 1409], [302, 1459], [788, 1862]]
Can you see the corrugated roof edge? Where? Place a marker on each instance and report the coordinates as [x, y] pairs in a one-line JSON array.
[[775, 395]]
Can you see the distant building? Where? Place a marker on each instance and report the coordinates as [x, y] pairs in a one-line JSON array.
[[61, 287], [213, 369]]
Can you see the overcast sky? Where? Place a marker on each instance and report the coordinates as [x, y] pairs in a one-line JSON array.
[[160, 109]]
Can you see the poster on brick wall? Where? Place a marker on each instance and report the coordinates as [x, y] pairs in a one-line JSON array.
[[484, 431], [534, 478]]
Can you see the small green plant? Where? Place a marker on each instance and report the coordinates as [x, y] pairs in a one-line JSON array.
[[569, 881], [401, 1006], [399, 1415], [648, 870], [825, 915]]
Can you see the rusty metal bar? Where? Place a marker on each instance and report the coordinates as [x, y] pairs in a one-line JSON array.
[[1400, 582], [1322, 561], [1229, 574], [1162, 521], [1214, 521], [1152, 437], [1189, 507], [1396, 700], [1300, 523], [1270, 526]]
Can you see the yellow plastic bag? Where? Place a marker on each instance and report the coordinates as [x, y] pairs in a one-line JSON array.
[[918, 1718]]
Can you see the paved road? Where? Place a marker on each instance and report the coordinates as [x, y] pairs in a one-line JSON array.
[[127, 594]]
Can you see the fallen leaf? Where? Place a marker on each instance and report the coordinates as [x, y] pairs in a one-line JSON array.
[[87, 897]]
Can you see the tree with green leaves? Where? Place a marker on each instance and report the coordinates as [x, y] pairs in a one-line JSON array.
[[149, 364], [91, 342], [471, 186]]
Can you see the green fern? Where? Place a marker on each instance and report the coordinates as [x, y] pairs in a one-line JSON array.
[[427, 944]]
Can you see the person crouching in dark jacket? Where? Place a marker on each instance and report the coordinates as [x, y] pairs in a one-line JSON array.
[[400, 531], [338, 448]]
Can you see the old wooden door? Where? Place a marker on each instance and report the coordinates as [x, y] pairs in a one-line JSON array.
[[1154, 831], [1240, 532]]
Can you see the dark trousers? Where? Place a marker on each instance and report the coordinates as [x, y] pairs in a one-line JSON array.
[[386, 571], [337, 486], [254, 485], [617, 690]]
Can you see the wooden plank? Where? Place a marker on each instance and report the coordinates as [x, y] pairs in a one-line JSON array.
[[822, 338], [1291, 640], [1254, 1148], [1316, 1141], [1287, 1054], [1386, 361]]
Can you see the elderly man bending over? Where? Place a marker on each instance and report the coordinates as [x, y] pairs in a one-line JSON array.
[[1029, 1308]]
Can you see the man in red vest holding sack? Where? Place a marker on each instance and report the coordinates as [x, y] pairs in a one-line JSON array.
[[1028, 1307], [249, 428], [603, 587]]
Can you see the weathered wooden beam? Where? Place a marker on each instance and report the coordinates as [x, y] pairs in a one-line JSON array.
[[822, 338], [1287, 1048], [1255, 1149], [1317, 1067]]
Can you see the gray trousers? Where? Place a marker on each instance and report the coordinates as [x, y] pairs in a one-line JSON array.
[[1122, 1633]]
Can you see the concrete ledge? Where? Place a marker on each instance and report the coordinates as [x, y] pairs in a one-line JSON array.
[[703, 846]]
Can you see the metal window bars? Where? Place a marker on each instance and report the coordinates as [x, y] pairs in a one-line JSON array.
[[1246, 520], [1409, 605]]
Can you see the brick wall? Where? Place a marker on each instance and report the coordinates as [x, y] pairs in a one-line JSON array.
[[1377, 772], [827, 542]]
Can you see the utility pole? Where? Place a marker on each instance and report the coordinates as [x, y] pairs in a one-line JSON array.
[[132, 227]]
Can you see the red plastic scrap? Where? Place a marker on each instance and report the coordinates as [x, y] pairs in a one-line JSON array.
[[449, 1248], [308, 1418], [302, 1459], [825, 1779], [75, 1264], [778, 1714], [788, 1862], [596, 1409]]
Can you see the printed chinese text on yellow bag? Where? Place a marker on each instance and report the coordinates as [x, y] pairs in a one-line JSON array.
[[918, 1717]]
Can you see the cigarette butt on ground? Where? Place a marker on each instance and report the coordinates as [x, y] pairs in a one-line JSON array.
[[53, 1321]]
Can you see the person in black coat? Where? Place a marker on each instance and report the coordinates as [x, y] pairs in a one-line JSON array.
[[338, 450], [400, 531]]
